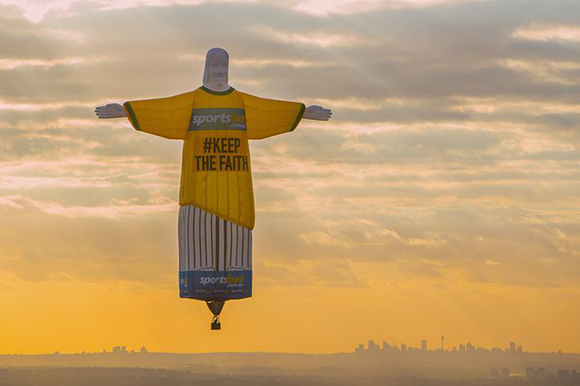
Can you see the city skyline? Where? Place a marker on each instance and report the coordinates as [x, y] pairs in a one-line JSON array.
[[468, 363], [371, 345], [467, 346]]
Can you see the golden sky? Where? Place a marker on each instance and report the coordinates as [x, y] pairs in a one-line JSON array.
[[442, 198]]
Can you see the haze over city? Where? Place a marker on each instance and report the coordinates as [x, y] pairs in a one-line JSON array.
[[441, 199], [370, 363]]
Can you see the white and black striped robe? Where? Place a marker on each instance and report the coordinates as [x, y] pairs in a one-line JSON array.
[[210, 243]]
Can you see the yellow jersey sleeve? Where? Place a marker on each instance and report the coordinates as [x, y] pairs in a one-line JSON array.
[[268, 117], [165, 117]]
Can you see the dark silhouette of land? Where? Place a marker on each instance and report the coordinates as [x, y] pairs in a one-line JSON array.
[[386, 364], [40, 376]]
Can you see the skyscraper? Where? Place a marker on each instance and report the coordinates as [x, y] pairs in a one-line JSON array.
[[505, 372], [373, 346], [563, 375]]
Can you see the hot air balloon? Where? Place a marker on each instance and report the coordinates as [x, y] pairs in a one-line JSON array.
[[216, 214]]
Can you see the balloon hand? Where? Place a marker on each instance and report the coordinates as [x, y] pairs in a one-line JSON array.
[[317, 113], [112, 110]]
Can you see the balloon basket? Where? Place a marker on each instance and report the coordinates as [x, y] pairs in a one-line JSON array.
[[216, 324], [216, 306]]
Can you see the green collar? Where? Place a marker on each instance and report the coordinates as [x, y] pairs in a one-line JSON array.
[[228, 91]]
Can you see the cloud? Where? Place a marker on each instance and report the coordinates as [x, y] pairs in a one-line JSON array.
[[329, 7], [36, 10], [320, 39], [359, 233], [454, 142], [308, 274], [547, 33], [115, 210], [11, 64], [10, 202]]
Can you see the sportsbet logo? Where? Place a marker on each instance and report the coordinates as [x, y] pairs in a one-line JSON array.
[[230, 279], [217, 119]]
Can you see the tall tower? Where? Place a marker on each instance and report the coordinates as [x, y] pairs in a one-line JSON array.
[[442, 342], [424, 345], [512, 347]]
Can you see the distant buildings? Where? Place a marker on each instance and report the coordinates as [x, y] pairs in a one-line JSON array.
[[462, 349], [563, 375], [143, 350], [373, 346], [524, 365], [535, 374], [505, 373], [539, 374]]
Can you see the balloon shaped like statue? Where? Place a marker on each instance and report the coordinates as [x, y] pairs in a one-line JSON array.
[[216, 214]]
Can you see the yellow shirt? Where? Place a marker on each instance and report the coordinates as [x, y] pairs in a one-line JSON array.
[[216, 126]]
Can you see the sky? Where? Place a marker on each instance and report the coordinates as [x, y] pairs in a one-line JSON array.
[[441, 199]]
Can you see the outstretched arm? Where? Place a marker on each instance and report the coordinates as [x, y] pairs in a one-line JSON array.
[[268, 117], [317, 113], [115, 110], [165, 117], [112, 110]]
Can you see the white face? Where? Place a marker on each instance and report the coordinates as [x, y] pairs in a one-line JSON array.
[[218, 68]]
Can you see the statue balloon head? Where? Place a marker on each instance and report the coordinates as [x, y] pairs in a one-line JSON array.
[[215, 75]]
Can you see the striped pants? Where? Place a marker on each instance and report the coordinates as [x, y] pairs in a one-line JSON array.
[[208, 242]]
